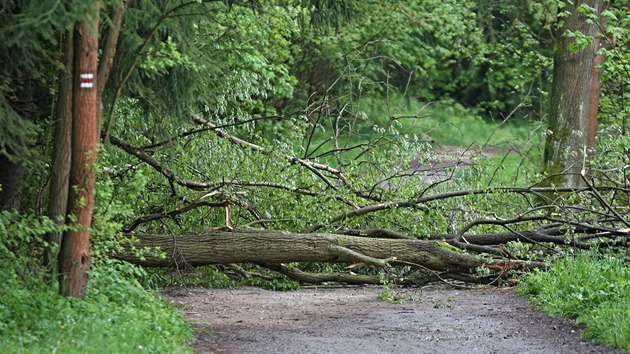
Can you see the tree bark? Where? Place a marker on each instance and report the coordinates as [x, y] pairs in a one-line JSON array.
[[74, 256], [60, 172], [573, 100], [268, 247], [109, 53], [596, 89]]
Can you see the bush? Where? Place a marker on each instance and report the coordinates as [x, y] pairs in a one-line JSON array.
[[117, 316], [595, 290]]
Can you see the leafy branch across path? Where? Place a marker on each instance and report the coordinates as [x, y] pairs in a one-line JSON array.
[[481, 250]]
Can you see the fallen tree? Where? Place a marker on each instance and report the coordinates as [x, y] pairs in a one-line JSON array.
[[492, 232], [221, 247], [433, 260]]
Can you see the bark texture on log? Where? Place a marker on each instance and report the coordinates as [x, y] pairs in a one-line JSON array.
[[238, 246]]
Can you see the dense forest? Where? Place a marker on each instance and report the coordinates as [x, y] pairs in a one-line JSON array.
[[280, 143]]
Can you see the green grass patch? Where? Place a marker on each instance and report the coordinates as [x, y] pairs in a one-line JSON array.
[[447, 122], [118, 315], [594, 290], [386, 122], [506, 168]]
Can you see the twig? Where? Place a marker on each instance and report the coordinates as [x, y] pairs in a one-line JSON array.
[[604, 203]]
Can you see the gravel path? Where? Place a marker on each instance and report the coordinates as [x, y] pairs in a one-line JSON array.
[[354, 320]]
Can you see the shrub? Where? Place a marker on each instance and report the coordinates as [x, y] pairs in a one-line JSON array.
[[594, 290], [117, 316]]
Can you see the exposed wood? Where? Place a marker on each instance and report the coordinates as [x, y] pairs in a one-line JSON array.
[[318, 278]]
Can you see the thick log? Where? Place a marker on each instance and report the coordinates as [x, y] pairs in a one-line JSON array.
[[219, 247]]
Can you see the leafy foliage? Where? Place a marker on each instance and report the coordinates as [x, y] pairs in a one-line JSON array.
[[373, 97], [614, 107], [594, 290], [118, 315], [29, 42]]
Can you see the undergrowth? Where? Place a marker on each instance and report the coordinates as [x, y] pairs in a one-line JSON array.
[[593, 290], [117, 316], [448, 122]]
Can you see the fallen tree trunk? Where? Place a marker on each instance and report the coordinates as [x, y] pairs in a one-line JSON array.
[[275, 247]]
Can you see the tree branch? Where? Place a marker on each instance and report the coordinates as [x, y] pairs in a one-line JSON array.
[[417, 203], [169, 214]]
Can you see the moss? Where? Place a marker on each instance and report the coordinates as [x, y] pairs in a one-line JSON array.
[[448, 247]]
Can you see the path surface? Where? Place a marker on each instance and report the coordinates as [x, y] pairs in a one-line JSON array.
[[354, 320]]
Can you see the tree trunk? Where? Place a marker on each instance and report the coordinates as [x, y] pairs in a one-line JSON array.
[[107, 58], [596, 89], [59, 178], [270, 247], [573, 100], [74, 256]]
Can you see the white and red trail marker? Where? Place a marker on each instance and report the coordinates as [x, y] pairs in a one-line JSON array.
[[87, 81]]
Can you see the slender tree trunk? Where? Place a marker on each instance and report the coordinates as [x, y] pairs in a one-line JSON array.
[[109, 53], [596, 88], [74, 257], [59, 179], [574, 100]]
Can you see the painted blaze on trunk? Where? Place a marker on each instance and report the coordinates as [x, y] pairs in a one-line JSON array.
[[574, 98]]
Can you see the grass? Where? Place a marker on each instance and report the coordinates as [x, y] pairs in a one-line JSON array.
[[594, 290], [507, 168], [444, 122], [118, 316], [447, 122]]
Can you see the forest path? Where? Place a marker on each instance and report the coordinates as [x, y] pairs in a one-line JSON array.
[[354, 320]]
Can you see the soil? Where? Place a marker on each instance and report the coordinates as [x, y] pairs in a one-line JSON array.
[[354, 320], [448, 160]]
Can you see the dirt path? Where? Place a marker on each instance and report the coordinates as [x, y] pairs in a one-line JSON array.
[[353, 320]]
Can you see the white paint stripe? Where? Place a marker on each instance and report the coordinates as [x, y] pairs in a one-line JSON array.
[[87, 76], [87, 85]]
